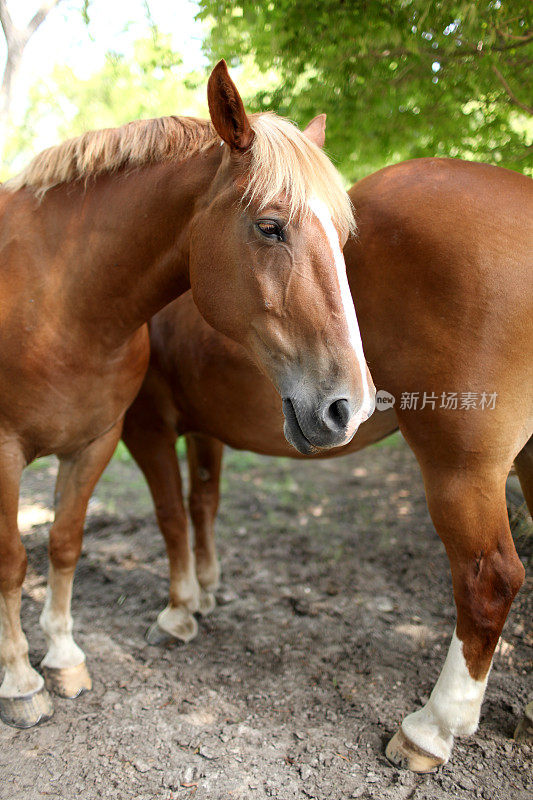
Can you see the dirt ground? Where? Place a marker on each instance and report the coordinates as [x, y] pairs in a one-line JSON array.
[[334, 617]]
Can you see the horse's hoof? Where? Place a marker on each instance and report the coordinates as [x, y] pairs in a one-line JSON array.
[[154, 635], [27, 710], [405, 754], [524, 729], [175, 622], [207, 603], [68, 682]]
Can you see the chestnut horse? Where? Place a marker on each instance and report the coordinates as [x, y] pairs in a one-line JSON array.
[[444, 295], [97, 235]]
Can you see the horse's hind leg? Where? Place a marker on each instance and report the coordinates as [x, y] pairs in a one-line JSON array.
[[23, 699], [64, 663], [205, 461], [469, 512], [152, 444], [524, 469]]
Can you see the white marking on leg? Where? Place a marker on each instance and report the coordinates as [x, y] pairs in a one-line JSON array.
[[56, 622], [177, 618], [20, 678], [178, 622], [319, 209], [453, 708], [184, 588]]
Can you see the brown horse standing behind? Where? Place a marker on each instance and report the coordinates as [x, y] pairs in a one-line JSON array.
[[96, 236], [443, 287]]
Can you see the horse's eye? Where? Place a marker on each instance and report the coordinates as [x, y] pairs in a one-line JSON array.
[[271, 229]]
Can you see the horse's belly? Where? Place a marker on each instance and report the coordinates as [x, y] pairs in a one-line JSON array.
[[264, 433]]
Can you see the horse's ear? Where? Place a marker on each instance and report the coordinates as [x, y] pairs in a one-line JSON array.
[[316, 130], [227, 110]]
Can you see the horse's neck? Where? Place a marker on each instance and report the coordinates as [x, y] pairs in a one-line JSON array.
[[125, 248]]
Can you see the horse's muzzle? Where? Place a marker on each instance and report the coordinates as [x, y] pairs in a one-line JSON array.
[[330, 422]]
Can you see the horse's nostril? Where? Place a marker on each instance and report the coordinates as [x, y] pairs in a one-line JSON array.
[[337, 414]]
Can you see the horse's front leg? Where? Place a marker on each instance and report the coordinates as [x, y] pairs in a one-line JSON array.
[[64, 665], [24, 700], [205, 461], [152, 444], [469, 512]]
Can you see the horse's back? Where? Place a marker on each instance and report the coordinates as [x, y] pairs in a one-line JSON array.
[[443, 286], [474, 219]]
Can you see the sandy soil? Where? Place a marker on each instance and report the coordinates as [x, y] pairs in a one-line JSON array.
[[333, 621]]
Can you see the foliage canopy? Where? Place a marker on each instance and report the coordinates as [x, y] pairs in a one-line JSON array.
[[400, 79]]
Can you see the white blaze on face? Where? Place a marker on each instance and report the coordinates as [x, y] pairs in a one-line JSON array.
[[319, 209], [453, 708]]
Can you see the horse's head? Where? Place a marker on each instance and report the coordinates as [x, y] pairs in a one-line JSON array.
[[267, 267]]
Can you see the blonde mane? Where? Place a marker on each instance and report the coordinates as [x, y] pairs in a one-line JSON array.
[[284, 162], [135, 144]]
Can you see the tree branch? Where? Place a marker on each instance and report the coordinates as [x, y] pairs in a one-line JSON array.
[[495, 48], [512, 36], [40, 16], [23, 35], [512, 97], [16, 40], [441, 55], [6, 22]]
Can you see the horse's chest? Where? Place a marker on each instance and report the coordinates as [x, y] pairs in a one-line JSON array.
[[59, 396]]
